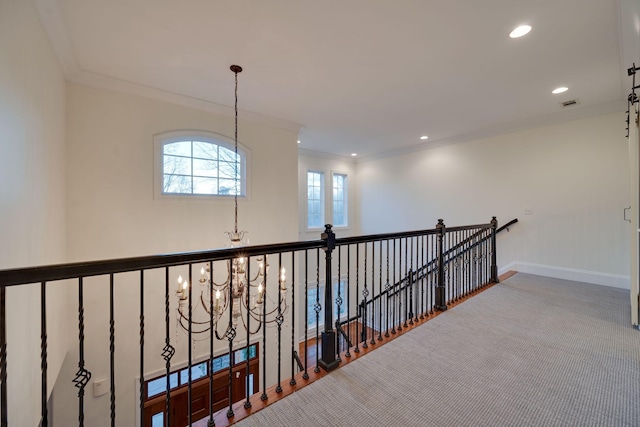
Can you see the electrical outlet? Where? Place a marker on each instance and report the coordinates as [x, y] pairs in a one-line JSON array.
[[528, 211]]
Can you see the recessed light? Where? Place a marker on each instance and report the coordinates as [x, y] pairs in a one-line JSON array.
[[520, 31], [298, 141], [424, 137], [354, 154], [560, 90]]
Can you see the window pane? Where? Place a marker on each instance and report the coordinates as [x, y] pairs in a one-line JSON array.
[[205, 185], [197, 371], [220, 363], [252, 351], [315, 211], [338, 218], [205, 168], [159, 385], [177, 184], [229, 170], [205, 150], [228, 187], [240, 356], [227, 155], [314, 221], [180, 148], [339, 200], [177, 165]]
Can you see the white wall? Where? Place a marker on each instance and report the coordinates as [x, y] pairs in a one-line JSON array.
[[112, 213], [32, 199], [574, 177]]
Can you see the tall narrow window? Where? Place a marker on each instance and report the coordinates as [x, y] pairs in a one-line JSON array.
[[315, 199], [340, 200], [198, 165]]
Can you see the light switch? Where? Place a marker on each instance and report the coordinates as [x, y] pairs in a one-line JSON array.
[[100, 387]]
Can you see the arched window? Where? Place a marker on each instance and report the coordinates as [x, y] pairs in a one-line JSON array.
[[197, 163]]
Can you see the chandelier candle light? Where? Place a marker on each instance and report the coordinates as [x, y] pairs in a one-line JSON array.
[[239, 295]]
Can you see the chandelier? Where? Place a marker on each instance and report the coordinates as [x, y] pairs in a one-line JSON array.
[[238, 296]]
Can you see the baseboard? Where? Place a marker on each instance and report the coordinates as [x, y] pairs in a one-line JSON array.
[[595, 277]]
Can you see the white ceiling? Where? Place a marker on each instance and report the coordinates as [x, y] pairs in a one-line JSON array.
[[365, 76]]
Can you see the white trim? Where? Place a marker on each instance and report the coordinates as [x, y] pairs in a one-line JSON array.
[[321, 155], [586, 276], [577, 113]]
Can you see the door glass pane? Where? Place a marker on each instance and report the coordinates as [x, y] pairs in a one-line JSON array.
[[157, 420], [250, 383]]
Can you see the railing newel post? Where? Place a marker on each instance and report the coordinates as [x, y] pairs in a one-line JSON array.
[[328, 362], [494, 257], [441, 304]]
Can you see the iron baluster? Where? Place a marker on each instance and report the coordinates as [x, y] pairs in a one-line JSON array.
[[422, 263], [279, 320], [406, 283], [357, 349], [388, 291], [317, 307], [3, 357], [292, 381], [306, 313], [168, 351], [211, 422], [112, 352], [190, 346], [400, 286], [43, 353], [247, 402], [338, 305], [373, 293], [83, 376], [229, 334], [393, 305], [263, 396], [348, 353], [412, 281], [365, 293]]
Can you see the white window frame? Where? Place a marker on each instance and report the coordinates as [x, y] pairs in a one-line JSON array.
[[345, 200], [322, 200], [160, 140]]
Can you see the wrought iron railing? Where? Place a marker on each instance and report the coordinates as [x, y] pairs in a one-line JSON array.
[[347, 293]]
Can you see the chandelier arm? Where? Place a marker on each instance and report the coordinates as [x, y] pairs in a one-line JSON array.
[[186, 328], [194, 322], [220, 286], [245, 324]]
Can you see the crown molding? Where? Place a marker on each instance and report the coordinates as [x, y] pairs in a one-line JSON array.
[[574, 113], [323, 155], [56, 30]]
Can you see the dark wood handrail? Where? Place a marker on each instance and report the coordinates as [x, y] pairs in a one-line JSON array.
[[47, 273]]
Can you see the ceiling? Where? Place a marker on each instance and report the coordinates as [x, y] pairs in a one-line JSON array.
[[358, 76]]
